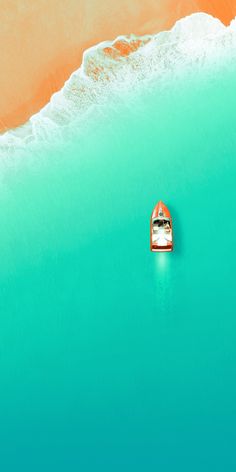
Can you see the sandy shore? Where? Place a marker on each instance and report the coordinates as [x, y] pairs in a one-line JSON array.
[[42, 42]]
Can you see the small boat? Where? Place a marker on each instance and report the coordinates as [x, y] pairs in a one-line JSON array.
[[161, 232]]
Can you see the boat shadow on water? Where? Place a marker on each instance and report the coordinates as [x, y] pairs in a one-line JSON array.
[[177, 232]]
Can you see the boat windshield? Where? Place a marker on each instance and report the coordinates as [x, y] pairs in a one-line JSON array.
[[162, 223]]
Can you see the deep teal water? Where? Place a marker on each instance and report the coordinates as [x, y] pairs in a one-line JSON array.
[[113, 358]]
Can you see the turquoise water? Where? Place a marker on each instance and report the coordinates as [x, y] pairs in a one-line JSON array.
[[113, 358]]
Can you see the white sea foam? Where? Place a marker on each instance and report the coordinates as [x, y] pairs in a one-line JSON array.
[[196, 42]]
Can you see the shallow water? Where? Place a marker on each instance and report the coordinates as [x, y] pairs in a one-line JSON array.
[[113, 357]]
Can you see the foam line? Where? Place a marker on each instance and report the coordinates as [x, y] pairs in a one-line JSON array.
[[196, 41]]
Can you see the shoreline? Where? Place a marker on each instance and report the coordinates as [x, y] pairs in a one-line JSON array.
[[42, 62]]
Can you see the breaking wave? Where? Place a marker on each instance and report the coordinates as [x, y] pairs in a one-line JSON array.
[[115, 68]]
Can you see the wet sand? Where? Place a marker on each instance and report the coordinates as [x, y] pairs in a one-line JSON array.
[[42, 42]]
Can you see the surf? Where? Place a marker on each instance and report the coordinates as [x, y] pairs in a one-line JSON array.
[[120, 67]]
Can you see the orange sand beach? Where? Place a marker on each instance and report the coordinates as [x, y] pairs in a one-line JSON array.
[[42, 42]]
